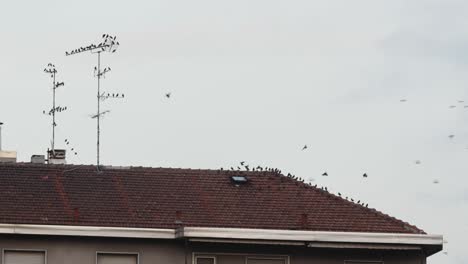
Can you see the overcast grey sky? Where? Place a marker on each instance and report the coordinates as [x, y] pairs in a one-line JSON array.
[[255, 80]]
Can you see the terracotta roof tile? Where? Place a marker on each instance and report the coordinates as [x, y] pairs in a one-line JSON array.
[[157, 197]]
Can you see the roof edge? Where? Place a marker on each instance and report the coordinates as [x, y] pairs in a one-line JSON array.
[[224, 233], [94, 231], [310, 236]]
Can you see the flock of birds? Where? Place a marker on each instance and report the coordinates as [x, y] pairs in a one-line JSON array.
[[71, 148], [243, 166]]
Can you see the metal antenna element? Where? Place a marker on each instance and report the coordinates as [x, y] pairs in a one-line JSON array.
[[50, 69], [108, 44]]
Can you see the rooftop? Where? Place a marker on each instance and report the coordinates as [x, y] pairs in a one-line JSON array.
[[166, 198]]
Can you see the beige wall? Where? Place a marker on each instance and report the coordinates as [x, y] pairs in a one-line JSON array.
[[76, 250]]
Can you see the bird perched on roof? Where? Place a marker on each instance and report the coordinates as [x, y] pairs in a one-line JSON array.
[[242, 163], [364, 175], [325, 174], [339, 194]]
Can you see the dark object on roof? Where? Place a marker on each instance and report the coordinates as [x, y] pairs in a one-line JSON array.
[[239, 179], [150, 197]]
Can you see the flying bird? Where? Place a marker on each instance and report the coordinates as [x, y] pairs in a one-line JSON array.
[[305, 147], [403, 100], [451, 136], [417, 162], [364, 175], [435, 182], [168, 95], [325, 174]]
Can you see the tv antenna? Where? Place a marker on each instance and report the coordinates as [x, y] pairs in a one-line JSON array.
[[52, 71], [108, 44]]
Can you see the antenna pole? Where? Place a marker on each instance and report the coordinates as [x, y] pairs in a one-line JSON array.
[[53, 112], [108, 44], [1, 135], [98, 106]]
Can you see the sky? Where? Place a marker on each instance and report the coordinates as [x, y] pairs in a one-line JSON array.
[[255, 81]]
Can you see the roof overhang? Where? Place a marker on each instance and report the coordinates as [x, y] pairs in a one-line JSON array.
[[318, 239]]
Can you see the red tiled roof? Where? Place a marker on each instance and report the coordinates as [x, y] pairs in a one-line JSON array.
[[157, 197]]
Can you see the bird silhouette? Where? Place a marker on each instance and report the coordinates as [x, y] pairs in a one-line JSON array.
[[417, 162], [305, 147], [364, 175], [451, 136], [325, 174], [435, 182], [403, 100], [339, 194], [168, 95]]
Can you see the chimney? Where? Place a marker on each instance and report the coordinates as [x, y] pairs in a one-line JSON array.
[[6, 156], [56, 156], [38, 159]]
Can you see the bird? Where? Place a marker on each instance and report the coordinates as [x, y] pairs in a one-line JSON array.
[[366, 205], [339, 194], [461, 101], [352, 200], [364, 175], [451, 136], [242, 163], [435, 182], [417, 162], [359, 201], [325, 174], [168, 95], [403, 100], [305, 147]]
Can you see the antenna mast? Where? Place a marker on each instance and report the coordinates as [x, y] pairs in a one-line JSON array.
[[108, 44], [50, 69]]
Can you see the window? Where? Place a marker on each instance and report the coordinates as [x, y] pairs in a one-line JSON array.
[[205, 260], [24, 257], [117, 258], [266, 260]]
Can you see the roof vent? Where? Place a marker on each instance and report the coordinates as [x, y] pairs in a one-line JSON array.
[[239, 179], [38, 159]]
